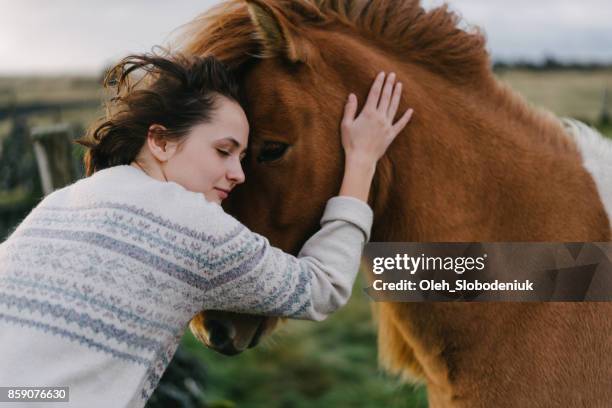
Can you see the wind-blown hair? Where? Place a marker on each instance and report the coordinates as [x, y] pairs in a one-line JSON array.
[[175, 91]]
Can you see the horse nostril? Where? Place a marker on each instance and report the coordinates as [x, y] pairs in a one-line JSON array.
[[257, 335], [218, 334]]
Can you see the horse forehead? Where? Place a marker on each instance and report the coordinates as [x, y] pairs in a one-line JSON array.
[[265, 72], [289, 100], [272, 82], [277, 77], [278, 94]]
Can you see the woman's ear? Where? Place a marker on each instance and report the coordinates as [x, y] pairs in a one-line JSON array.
[[161, 148]]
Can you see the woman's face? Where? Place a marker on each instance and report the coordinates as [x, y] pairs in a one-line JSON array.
[[208, 159]]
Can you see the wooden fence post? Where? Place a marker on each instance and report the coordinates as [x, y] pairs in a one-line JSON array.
[[604, 118], [53, 150]]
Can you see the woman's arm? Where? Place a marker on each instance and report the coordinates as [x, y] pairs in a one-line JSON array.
[[257, 278]]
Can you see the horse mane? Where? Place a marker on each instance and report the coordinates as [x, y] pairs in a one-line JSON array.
[[404, 28]]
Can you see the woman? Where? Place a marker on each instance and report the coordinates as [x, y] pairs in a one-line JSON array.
[[99, 282]]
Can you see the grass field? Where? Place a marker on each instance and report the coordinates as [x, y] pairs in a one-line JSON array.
[[576, 94], [305, 364], [567, 93]]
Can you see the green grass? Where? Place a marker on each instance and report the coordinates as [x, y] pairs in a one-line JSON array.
[[577, 94], [606, 130], [50, 89], [307, 364], [13, 197]]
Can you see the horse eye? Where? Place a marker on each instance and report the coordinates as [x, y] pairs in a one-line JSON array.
[[271, 151]]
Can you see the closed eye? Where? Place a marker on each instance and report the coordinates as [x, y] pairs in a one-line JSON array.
[[223, 152]]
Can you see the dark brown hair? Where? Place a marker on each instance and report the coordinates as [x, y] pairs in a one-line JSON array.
[[175, 91]]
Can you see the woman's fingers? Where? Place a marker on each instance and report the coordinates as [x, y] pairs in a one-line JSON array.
[[395, 100], [350, 109], [403, 121], [385, 98], [374, 95]]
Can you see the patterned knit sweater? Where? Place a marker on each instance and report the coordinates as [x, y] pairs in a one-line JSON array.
[[100, 281]]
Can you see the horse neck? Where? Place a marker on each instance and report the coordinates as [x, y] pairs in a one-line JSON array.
[[476, 163], [473, 156]]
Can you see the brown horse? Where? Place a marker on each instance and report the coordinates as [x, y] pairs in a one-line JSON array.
[[476, 164]]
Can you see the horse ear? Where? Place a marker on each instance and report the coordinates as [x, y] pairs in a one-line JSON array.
[[278, 35]]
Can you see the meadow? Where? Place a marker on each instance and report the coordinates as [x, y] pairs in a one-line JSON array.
[[305, 364], [577, 94]]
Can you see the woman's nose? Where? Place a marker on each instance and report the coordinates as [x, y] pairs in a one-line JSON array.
[[236, 174]]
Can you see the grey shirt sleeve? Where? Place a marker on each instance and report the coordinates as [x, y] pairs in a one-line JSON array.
[[310, 286]]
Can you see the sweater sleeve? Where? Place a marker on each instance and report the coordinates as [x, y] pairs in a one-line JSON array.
[[265, 280]]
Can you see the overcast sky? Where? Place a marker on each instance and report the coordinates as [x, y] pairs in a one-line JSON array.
[[70, 36]]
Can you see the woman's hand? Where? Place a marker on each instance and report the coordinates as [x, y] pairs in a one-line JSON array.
[[367, 137]]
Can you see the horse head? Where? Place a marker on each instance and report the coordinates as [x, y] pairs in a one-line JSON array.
[[297, 62]]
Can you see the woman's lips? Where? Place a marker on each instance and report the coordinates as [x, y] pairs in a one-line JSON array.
[[222, 193]]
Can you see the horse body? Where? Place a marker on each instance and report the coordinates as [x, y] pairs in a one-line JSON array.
[[476, 164]]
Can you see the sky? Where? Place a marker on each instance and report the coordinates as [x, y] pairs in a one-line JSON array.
[[77, 36]]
